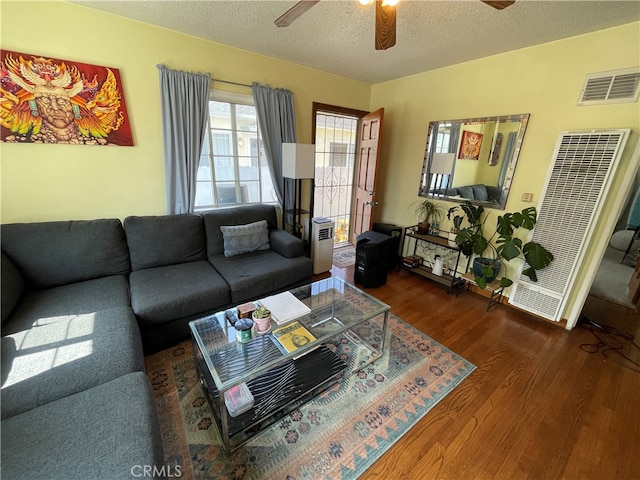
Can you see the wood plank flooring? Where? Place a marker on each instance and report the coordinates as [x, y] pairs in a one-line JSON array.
[[537, 406]]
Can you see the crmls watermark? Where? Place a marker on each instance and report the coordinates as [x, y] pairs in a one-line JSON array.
[[153, 471]]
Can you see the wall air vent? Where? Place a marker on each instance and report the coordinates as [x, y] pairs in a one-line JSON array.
[[619, 86]]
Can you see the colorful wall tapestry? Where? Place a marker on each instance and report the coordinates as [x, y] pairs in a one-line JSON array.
[[470, 146], [48, 100]]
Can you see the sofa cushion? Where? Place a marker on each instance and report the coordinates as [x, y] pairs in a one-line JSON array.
[[49, 254], [12, 286], [43, 307], [100, 433], [253, 275], [156, 241], [167, 293], [465, 192], [480, 192], [286, 244], [49, 362], [215, 219], [239, 239]]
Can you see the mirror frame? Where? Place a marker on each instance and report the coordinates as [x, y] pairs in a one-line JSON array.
[[506, 186]]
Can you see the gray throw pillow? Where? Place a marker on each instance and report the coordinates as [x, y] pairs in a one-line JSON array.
[[239, 239]]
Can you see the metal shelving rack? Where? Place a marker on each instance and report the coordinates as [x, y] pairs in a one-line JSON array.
[[426, 247]]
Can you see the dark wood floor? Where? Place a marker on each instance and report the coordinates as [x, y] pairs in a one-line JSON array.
[[537, 406]]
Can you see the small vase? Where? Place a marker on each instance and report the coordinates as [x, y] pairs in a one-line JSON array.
[[452, 239], [262, 324]]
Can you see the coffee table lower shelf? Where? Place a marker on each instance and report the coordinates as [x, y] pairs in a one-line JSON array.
[[276, 393]]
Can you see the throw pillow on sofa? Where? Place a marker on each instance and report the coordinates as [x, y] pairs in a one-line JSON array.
[[239, 239]]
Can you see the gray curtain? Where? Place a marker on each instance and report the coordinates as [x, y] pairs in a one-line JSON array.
[[185, 115], [277, 121], [508, 155]]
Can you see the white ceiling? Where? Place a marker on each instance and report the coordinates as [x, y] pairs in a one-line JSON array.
[[337, 36]]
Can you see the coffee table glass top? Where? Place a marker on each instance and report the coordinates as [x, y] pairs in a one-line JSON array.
[[336, 307]]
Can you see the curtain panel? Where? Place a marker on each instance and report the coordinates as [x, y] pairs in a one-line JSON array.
[[185, 116], [277, 120]]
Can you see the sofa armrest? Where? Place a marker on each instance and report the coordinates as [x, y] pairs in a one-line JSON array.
[[286, 244]]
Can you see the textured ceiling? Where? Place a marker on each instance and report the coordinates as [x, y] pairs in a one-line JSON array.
[[337, 36]]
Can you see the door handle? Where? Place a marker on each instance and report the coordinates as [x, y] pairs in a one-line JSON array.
[[372, 193], [371, 203]]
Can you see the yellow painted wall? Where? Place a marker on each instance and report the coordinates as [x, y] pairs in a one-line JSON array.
[[51, 182], [544, 81]]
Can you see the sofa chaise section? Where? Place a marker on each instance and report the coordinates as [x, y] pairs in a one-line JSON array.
[[45, 363], [106, 432]]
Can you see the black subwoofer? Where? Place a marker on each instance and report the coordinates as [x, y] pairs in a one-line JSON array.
[[373, 252]]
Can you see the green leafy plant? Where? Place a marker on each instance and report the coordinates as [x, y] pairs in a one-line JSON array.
[[508, 245], [427, 211], [261, 312]]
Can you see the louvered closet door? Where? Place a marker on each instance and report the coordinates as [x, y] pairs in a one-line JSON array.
[[581, 172]]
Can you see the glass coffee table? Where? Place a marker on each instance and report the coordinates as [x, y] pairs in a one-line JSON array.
[[261, 382]]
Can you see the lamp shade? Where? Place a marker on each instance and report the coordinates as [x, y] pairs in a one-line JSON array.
[[298, 160], [442, 163]]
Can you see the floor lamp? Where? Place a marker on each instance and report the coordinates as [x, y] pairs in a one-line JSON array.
[[298, 163]]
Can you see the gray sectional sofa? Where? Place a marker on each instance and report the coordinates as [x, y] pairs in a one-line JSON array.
[[82, 301]]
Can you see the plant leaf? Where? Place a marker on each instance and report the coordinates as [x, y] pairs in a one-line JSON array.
[[526, 218], [505, 282], [504, 228], [481, 282], [480, 244], [531, 273], [537, 256], [509, 248]]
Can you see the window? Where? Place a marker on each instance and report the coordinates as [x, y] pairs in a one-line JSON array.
[[233, 168], [440, 181]]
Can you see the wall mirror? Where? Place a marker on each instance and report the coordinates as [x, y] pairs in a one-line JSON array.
[[472, 159]]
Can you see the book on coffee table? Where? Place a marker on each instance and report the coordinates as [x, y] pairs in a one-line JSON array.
[[284, 307], [292, 336]]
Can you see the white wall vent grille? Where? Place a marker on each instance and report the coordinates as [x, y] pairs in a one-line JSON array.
[[578, 176], [620, 86]]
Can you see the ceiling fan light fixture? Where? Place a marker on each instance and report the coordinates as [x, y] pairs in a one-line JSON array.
[[390, 3], [365, 2]]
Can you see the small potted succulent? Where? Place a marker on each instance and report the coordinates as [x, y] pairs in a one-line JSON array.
[[262, 319]]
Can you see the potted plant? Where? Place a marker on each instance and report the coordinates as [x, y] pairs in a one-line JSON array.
[[508, 246], [262, 319], [427, 212]]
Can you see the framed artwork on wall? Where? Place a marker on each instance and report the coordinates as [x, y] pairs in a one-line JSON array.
[[470, 145], [49, 100]]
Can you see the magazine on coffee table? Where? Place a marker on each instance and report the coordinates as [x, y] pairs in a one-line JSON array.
[[284, 307], [292, 336]]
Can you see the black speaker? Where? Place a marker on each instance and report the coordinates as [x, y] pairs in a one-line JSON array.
[[372, 259], [395, 232]]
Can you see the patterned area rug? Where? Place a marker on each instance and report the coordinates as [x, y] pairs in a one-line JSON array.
[[337, 435], [344, 257]]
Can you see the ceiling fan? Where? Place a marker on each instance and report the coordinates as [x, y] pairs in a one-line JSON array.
[[385, 17]]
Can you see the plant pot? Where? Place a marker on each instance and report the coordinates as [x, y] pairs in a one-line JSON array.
[[452, 239], [262, 324], [480, 262], [423, 229]]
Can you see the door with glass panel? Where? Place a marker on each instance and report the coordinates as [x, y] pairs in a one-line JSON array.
[[335, 136]]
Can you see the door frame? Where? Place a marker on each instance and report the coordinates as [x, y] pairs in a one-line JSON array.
[[318, 107]]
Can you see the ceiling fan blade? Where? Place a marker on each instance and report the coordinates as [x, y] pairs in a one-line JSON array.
[[499, 5], [288, 17], [385, 26]]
